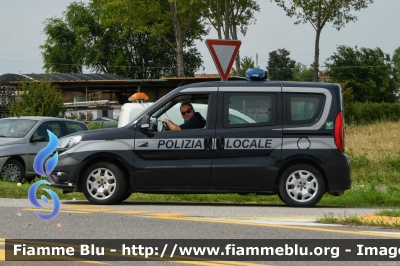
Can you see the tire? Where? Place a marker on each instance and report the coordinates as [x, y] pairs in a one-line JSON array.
[[103, 183], [126, 196], [279, 195], [13, 171], [29, 179], [301, 185]]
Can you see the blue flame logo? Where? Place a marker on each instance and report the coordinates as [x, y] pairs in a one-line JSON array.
[[32, 197], [42, 155], [45, 158]]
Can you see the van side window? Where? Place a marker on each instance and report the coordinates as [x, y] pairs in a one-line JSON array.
[[249, 109], [303, 108], [171, 110]]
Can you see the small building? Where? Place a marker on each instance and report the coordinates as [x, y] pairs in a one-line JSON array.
[[101, 94]]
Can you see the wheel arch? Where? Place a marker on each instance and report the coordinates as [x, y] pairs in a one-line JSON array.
[[118, 161], [295, 161], [20, 160], [17, 158]]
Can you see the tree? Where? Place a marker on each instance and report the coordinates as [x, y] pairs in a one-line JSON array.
[[348, 96], [61, 49], [302, 72], [163, 19], [369, 72], [37, 99], [80, 39], [246, 63], [280, 66], [396, 63], [320, 12], [228, 17]]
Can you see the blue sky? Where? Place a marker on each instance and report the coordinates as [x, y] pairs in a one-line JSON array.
[[21, 27]]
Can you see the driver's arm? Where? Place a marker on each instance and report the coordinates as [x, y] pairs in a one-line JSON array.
[[172, 126]]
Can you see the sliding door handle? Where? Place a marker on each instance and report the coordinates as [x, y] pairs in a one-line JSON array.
[[207, 143], [220, 143]]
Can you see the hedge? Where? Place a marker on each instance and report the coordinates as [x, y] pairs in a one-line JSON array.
[[102, 124], [364, 113]]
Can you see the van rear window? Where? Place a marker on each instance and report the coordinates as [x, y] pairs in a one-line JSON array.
[[303, 109]]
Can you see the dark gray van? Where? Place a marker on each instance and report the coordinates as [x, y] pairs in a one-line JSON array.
[[293, 146]]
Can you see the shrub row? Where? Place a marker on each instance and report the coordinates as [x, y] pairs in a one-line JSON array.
[[102, 124], [363, 113]]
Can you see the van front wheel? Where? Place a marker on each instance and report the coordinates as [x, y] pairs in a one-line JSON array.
[[104, 183], [301, 185]]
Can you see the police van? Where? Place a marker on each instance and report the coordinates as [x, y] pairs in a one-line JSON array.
[[290, 144]]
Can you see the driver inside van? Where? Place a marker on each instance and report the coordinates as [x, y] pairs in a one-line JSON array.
[[192, 119]]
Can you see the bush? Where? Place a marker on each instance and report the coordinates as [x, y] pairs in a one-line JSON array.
[[364, 113], [37, 99], [102, 124]]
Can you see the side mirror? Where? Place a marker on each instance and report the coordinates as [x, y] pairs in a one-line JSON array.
[[144, 122], [38, 139]]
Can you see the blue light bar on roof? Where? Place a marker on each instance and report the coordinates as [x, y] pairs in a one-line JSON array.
[[255, 74]]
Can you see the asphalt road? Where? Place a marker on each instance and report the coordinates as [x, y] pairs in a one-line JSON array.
[[165, 221]]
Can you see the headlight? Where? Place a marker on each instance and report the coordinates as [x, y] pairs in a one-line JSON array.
[[68, 142]]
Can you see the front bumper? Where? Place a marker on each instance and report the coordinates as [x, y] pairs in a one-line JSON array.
[[66, 174]]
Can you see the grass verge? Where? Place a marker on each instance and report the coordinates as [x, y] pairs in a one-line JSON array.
[[357, 196], [381, 219]]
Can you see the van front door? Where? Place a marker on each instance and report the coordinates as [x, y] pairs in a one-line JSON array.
[[174, 160], [248, 138]]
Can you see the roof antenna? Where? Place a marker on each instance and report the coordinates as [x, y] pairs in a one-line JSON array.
[[182, 82]]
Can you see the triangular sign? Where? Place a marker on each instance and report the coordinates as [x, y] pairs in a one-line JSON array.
[[223, 53]]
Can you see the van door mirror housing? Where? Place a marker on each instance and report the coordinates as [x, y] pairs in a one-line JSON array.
[[144, 122]]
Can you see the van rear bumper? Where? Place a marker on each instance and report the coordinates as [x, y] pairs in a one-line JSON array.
[[337, 170]]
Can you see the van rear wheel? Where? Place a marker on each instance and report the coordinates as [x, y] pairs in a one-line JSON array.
[[104, 183], [301, 185]]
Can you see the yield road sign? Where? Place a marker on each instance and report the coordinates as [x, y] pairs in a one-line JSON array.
[[223, 53]]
